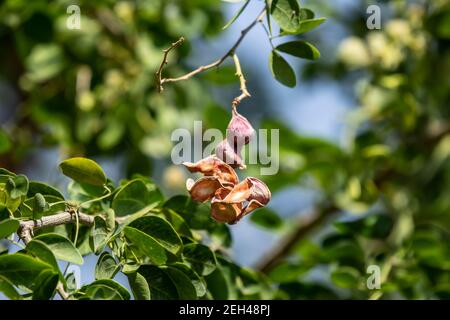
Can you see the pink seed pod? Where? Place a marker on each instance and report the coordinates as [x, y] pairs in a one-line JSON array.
[[260, 191], [239, 130], [230, 155], [205, 188], [213, 166], [231, 205], [225, 212]]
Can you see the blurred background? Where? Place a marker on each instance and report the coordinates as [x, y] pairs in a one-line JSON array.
[[364, 136]]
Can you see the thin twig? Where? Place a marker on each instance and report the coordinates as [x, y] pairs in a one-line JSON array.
[[160, 81], [269, 37], [244, 92], [62, 292], [174, 45], [77, 227]]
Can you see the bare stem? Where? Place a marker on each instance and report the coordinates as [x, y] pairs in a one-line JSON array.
[[61, 291], [174, 45], [244, 92], [160, 81]]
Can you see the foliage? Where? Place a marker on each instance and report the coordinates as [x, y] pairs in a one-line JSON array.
[[92, 91], [157, 243], [385, 191]]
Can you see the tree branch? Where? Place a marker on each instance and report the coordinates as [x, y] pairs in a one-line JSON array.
[[160, 81], [26, 228], [303, 227]]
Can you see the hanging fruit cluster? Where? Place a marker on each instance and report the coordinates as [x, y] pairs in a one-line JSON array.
[[230, 199]]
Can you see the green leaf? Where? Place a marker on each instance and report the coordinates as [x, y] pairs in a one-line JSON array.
[[198, 283], [71, 282], [266, 218], [40, 250], [8, 289], [160, 284], [112, 134], [8, 227], [9, 202], [62, 248], [286, 13], [129, 219], [139, 286], [183, 284], [308, 25], [300, 49], [281, 70], [6, 172], [46, 283], [20, 269], [160, 230], [100, 235], [269, 22], [82, 191], [44, 62], [146, 244], [105, 289], [4, 213], [371, 226], [429, 247], [130, 267], [343, 249], [196, 215], [200, 258], [5, 142], [218, 285], [345, 277], [178, 223], [287, 272], [132, 197], [306, 14], [83, 170], [17, 186], [106, 267], [236, 15], [43, 188]]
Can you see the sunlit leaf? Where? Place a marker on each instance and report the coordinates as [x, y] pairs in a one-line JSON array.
[[286, 13], [146, 244], [62, 248], [83, 170], [8, 227]]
